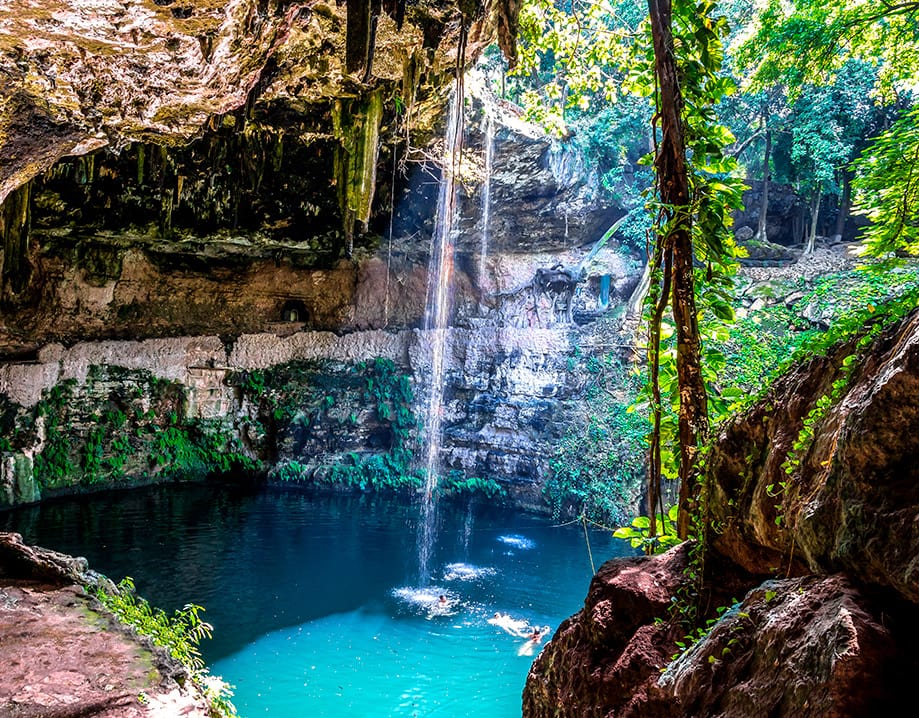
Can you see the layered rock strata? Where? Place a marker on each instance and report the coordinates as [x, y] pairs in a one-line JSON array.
[[295, 406]]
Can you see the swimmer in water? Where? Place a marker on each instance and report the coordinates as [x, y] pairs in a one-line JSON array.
[[520, 629], [534, 639]]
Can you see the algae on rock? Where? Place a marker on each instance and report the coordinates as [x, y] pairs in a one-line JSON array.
[[357, 128]]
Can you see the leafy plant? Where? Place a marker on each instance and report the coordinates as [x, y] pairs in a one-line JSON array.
[[597, 469], [179, 634], [457, 484], [639, 535]]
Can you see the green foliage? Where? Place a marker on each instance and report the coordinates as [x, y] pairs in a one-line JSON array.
[[254, 383], [289, 471], [639, 536], [887, 188], [808, 41], [700, 632], [846, 64], [105, 436], [372, 472], [599, 462], [54, 464], [195, 450], [569, 57], [180, 634], [455, 484], [303, 398], [767, 342]]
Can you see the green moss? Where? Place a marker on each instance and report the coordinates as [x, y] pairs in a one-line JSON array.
[[128, 425], [302, 402], [357, 128]]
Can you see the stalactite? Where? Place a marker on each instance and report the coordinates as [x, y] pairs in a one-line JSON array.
[[15, 222], [357, 39], [140, 163], [357, 128], [166, 213]]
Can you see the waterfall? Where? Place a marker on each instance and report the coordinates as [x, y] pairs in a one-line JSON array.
[[486, 195], [437, 311]]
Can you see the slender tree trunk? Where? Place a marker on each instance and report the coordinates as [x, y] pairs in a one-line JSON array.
[[633, 308], [673, 185], [660, 269], [815, 212], [764, 199], [845, 206]]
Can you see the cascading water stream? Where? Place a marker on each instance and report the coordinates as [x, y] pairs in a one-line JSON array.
[[436, 316], [486, 195]]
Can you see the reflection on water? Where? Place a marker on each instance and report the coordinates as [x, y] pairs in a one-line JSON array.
[[313, 598]]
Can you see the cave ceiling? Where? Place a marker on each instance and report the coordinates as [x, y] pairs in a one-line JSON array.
[[223, 115]]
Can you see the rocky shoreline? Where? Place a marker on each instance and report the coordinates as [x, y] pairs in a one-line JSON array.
[[66, 656]]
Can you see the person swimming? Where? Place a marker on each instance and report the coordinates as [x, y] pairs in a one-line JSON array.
[[513, 626]]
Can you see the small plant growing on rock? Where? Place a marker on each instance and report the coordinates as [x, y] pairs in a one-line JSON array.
[[638, 533], [178, 634]]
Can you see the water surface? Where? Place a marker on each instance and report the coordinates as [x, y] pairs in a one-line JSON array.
[[315, 600]]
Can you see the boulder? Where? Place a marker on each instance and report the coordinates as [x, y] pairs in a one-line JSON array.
[[817, 484]]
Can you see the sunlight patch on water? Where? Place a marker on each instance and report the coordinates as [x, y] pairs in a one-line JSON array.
[[366, 664], [517, 541], [466, 572]]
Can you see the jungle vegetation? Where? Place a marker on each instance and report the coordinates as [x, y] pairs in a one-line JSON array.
[[683, 103]]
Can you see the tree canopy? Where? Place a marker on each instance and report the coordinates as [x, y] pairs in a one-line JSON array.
[[819, 95]]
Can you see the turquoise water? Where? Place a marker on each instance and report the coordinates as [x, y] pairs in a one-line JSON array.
[[315, 600]]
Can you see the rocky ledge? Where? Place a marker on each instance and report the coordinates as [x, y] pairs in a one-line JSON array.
[[810, 594], [65, 656]]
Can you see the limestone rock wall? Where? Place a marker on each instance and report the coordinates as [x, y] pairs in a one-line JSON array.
[[180, 268], [303, 406]]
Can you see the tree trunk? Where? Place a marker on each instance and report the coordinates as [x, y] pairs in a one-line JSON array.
[[815, 212], [764, 200], [845, 205], [673, 184], [633, 308]]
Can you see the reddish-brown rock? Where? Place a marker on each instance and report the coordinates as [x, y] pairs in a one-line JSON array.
[[63, 654], [850, 500], [836, 638], [602, 655]]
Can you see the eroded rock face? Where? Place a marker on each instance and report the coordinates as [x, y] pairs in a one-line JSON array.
[[310, 400], [602, 656], [813, 646], [850, 496], [250, 130], [86, 73], [64, 655], [834, 638]]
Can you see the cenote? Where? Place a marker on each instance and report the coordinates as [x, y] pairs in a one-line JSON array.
[[315, 599]]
